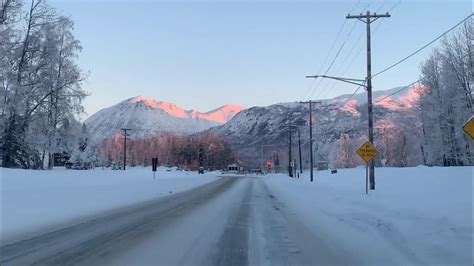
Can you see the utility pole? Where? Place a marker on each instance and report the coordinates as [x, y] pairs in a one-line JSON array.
[[311, 178], [201, 155], [311, 141], [125, 147], [368, 19], [290, 168], [299, 152]]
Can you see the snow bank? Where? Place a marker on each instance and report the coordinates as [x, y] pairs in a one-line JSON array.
[[415, 216], [35, 200]]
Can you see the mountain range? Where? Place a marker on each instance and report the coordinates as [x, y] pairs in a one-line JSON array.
[[146, 116], [257, 132]]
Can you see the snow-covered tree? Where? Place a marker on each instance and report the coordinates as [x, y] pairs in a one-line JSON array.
[[40, 82], [344, 155], [447, 101], [85, 156]]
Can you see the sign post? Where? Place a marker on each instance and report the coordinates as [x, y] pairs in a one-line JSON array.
[[154, 165], [469, 127], [292, 166], [366, 178], [367, 152]]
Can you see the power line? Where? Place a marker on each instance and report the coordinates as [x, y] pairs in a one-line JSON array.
[[381, 6], [362, 33], [394, 6], [310, 87], [397, 91], [426, 45], [331, 49], [353, 94], [355, 6], [329, 53], [361, 48], [339, 51], [337, 55], [347, 100], [350, 52], [359, 51]]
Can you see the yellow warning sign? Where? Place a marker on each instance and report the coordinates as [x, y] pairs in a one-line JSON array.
[[469, 127], [367, 152]]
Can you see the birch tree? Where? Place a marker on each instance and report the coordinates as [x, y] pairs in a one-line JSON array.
[[447, 102], [40, 82]]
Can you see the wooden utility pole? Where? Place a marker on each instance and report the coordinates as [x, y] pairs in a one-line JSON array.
[[290, 161], [125, 147], [311, 141], [368, 18], [299, 152], [311, 178]]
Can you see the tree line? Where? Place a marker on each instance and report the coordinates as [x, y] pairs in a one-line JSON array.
[[189, 152], [446, 102]]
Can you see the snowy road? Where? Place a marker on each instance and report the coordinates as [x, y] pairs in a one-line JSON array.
[[231, 221]]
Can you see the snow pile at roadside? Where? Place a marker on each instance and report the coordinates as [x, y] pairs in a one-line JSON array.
[[417, 215], [34, 200]]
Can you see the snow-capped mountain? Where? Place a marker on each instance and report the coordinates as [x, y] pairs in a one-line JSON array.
[[258, 131], [146, 116]]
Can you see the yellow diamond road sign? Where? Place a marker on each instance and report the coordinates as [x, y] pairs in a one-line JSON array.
[[367, 152], [469, 127]]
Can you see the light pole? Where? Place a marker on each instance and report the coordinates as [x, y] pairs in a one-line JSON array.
[[311, 137], [347, 80], [294, 128], [299, 152], [362, 83]]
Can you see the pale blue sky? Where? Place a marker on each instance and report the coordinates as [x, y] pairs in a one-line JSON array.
[[203, 54]]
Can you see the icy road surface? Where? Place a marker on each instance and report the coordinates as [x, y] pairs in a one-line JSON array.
[[231, 221]]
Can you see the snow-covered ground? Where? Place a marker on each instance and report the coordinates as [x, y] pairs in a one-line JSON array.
[[35, 200], [420, 215]]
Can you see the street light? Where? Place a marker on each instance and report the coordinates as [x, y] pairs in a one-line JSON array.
[[347, 80], [361, 83]]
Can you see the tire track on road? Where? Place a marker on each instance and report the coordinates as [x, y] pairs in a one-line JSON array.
[[78, 243]]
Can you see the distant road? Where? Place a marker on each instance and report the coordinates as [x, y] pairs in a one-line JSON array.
[[231, 221]]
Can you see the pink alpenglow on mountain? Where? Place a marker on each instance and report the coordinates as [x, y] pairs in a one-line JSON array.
[[146, 116], [220, 115]]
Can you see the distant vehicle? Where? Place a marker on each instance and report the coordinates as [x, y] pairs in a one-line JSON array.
[[201, 170], [257, 171]]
